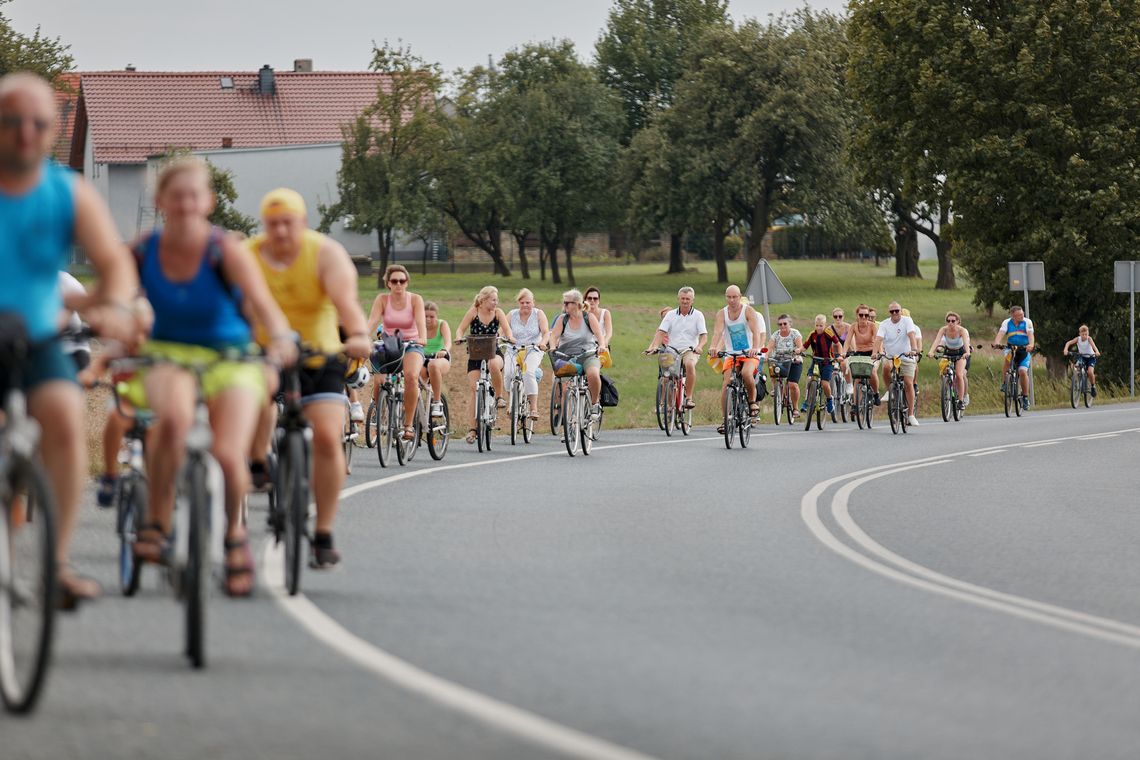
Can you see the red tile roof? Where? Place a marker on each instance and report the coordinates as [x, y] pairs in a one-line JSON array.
[[66, 104], [138, 114]]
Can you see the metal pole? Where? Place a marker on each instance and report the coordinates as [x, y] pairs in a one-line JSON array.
[[764, 295], [1132, 328], [1025, 295]]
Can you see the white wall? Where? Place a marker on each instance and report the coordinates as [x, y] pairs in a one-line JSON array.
[[127, 189]]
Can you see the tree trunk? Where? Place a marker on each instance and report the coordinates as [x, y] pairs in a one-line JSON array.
[[520, 243], [758, 230], [676, 255], [944, 247], [385, 238], [719, 234], [906, 252], [552, 257], [568, 247]]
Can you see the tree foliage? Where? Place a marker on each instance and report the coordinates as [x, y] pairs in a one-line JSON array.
[[46, 56], [225, 215]]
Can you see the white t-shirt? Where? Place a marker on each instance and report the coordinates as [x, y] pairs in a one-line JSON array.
[[684, 330], [895, 335]]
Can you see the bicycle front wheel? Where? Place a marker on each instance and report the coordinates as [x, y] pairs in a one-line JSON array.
[[894, 406], [439, 432], [729, 416], [293, 502], [670, 405], [1074, 387], [131, 513], [196, 574], [349, 440], [570, 422], [370, 432], [778, 401], [659, 402], [27, 585], [1008, 397], [585, 409], [812, 403], [555, 406], [945, 398], [384, 430], [515, 410], [743, 419]]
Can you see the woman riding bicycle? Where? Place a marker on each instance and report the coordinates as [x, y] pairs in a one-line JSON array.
[[593, 301], [486, 318], [577, 332], [784, 348], [1088, 352], [954, 340], [199, 280], [861, 342], [402, 313], [530, 328], [437, 350]]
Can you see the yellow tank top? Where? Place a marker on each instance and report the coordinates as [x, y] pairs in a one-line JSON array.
[[297, 290]]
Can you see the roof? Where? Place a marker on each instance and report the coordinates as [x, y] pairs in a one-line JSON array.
[[136, 114], [66, 104]]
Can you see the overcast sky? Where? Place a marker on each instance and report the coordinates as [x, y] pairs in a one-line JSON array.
[[336, 34]]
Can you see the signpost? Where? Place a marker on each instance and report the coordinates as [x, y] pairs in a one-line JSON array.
[[1125, 282], [764, 286], [1026, 276]]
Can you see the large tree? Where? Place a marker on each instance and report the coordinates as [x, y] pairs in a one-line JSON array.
[[46, 56]]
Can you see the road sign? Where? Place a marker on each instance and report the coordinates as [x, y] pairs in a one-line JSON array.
[[1026, 276], [765, 287], [1125, 282]]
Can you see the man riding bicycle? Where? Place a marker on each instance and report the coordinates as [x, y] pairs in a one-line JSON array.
[[825, 345], [1017, 331], [684, 329], [739, 329], [897, 337]]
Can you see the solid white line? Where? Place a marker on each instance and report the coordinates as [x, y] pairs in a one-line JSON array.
[[1038, 445], [1098, 437], [987, 453], [928, 580]]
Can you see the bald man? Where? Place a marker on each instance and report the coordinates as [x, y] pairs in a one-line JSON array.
[[739, 329], [44, 211]]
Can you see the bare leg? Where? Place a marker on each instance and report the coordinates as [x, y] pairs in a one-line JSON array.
[[58, 407], [327, 421]]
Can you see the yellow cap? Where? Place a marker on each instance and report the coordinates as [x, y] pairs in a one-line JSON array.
[[282, 200]]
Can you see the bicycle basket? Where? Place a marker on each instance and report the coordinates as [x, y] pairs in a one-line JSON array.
[[669, 363], [943, 363], [481, 348], [861, 366], [566, 368], [387, 355]]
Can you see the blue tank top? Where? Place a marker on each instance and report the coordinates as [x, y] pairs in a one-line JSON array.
[[204, 311], [36, 234]]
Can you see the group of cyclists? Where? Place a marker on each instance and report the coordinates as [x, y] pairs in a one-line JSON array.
[[191, 299]]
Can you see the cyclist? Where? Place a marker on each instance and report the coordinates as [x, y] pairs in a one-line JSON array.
[[1017, 331], [529, 327], [486, 318], [954, 340], [437, 350], [825, 346], [402, 313], [198, 281], [785, 348], [593, 298], [739, 328], [897, 337], [684, 329], [313, 280], [838, 327], [1088, 351], [44, 210], [576, 333], [861, 342]]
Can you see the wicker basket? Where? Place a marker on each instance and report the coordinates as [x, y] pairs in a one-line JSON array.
[[669, 363], [481, 348], [861, 366]]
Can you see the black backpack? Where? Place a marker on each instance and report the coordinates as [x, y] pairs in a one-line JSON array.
[[609, 395]]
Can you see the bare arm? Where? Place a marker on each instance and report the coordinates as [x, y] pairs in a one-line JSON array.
[[937, 341], [1096, 351], [376, 314], [609, 326], [504, 325], [718, 333], [543, 328], [445, 332], [465, 322], [1068, 345], [418, 315], [338, 279], [599, 333]]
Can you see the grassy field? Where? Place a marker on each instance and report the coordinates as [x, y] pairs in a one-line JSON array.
[[636, 293]]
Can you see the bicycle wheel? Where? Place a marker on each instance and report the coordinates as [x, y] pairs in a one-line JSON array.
[[868, 404], [894, 406], [1085, 392], [1075, 387], [585, 410], [513, 405], [857, 403], [812, 402], [789, 408], [489, 421], [293, 501], [27, 585], [439, 433], [729, 415], [400, 444], [835, 395], [570, 424], [744, 419], [956, 410], [131, 513], [1008, 395], [370, 432], [349, 442], [1017, 396], [945, 398], [527, 420], [670, 405], [480, 412], [685, 417], [658, 401], [555, 405], [196, 574], [384, 427]]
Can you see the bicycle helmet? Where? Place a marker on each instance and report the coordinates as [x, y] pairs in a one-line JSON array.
[[358, 375]]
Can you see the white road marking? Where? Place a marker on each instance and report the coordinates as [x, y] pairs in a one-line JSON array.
[[987, 453], [1098, 437], [1038, 445], [488, 710], [904, 571]]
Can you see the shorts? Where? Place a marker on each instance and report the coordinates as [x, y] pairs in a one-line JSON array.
[[789, 369], [825, 369], [322, 383], [1088, 361], [1026, 357], [219, 376], [956, 355], [392, 366], [45, 363], [748, 366], [473, 366], [907, 368]]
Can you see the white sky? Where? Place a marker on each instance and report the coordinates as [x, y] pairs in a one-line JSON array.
[[336, 34]]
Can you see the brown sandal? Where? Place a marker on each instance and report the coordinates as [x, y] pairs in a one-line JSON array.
[[152, 545], [233, 571]]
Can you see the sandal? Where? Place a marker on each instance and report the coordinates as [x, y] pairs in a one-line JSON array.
[[74, 588], [472, 434], [754, 410], [409, 433], [500, 403], [152, 545], [238, 580]]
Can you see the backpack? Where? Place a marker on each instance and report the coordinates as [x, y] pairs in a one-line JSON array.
[[609, 395]]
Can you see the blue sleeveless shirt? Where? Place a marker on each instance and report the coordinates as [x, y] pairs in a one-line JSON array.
[[204, 311], [37, 230]]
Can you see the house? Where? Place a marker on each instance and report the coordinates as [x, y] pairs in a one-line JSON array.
[[269, 128], [66, 101]]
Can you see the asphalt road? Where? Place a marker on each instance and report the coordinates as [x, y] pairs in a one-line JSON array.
[[968, 590]]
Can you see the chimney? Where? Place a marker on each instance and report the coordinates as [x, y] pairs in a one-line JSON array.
[[303, 65], [227, 142], [266, 84], [130, 67]]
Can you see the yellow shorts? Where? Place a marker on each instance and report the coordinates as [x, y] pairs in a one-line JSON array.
[[219, 375]]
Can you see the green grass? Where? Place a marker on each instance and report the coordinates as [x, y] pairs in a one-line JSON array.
[[636, 293]]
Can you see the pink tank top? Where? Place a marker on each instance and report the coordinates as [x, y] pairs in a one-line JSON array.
[[403, 320]]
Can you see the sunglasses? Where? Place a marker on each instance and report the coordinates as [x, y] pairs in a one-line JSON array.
[[783, 324], [592, 298], [12, 121], [895, 311], [401, 281], [837, 316], [951, 321], [570, 303], [864, 316]]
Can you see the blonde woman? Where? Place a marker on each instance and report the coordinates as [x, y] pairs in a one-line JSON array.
[[530, 328], [402, 312], [954, 340], [486, 318], [578, 332], [437, 350]]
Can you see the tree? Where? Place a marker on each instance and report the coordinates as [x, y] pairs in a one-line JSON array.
[[46, 56], [650, 180], [225, 215], [383, 179]]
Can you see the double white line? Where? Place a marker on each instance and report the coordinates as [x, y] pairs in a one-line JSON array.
[[878, 559]]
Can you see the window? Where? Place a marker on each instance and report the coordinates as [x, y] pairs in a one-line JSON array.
[[227, 83]]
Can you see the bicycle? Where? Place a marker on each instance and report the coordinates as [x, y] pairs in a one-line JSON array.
[[481, 348], [671, 412], [578, 418], [517, 401], [28, 587], [737, 414], [898, 411], [951, 406], [1079, 381], [782, 405], [814, 396], [1012, 397], [840, 395], [555, 401], [349, 436], [386, 415], [863, 395]]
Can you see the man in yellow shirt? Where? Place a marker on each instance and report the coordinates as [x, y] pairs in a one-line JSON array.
[[313, 280]]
